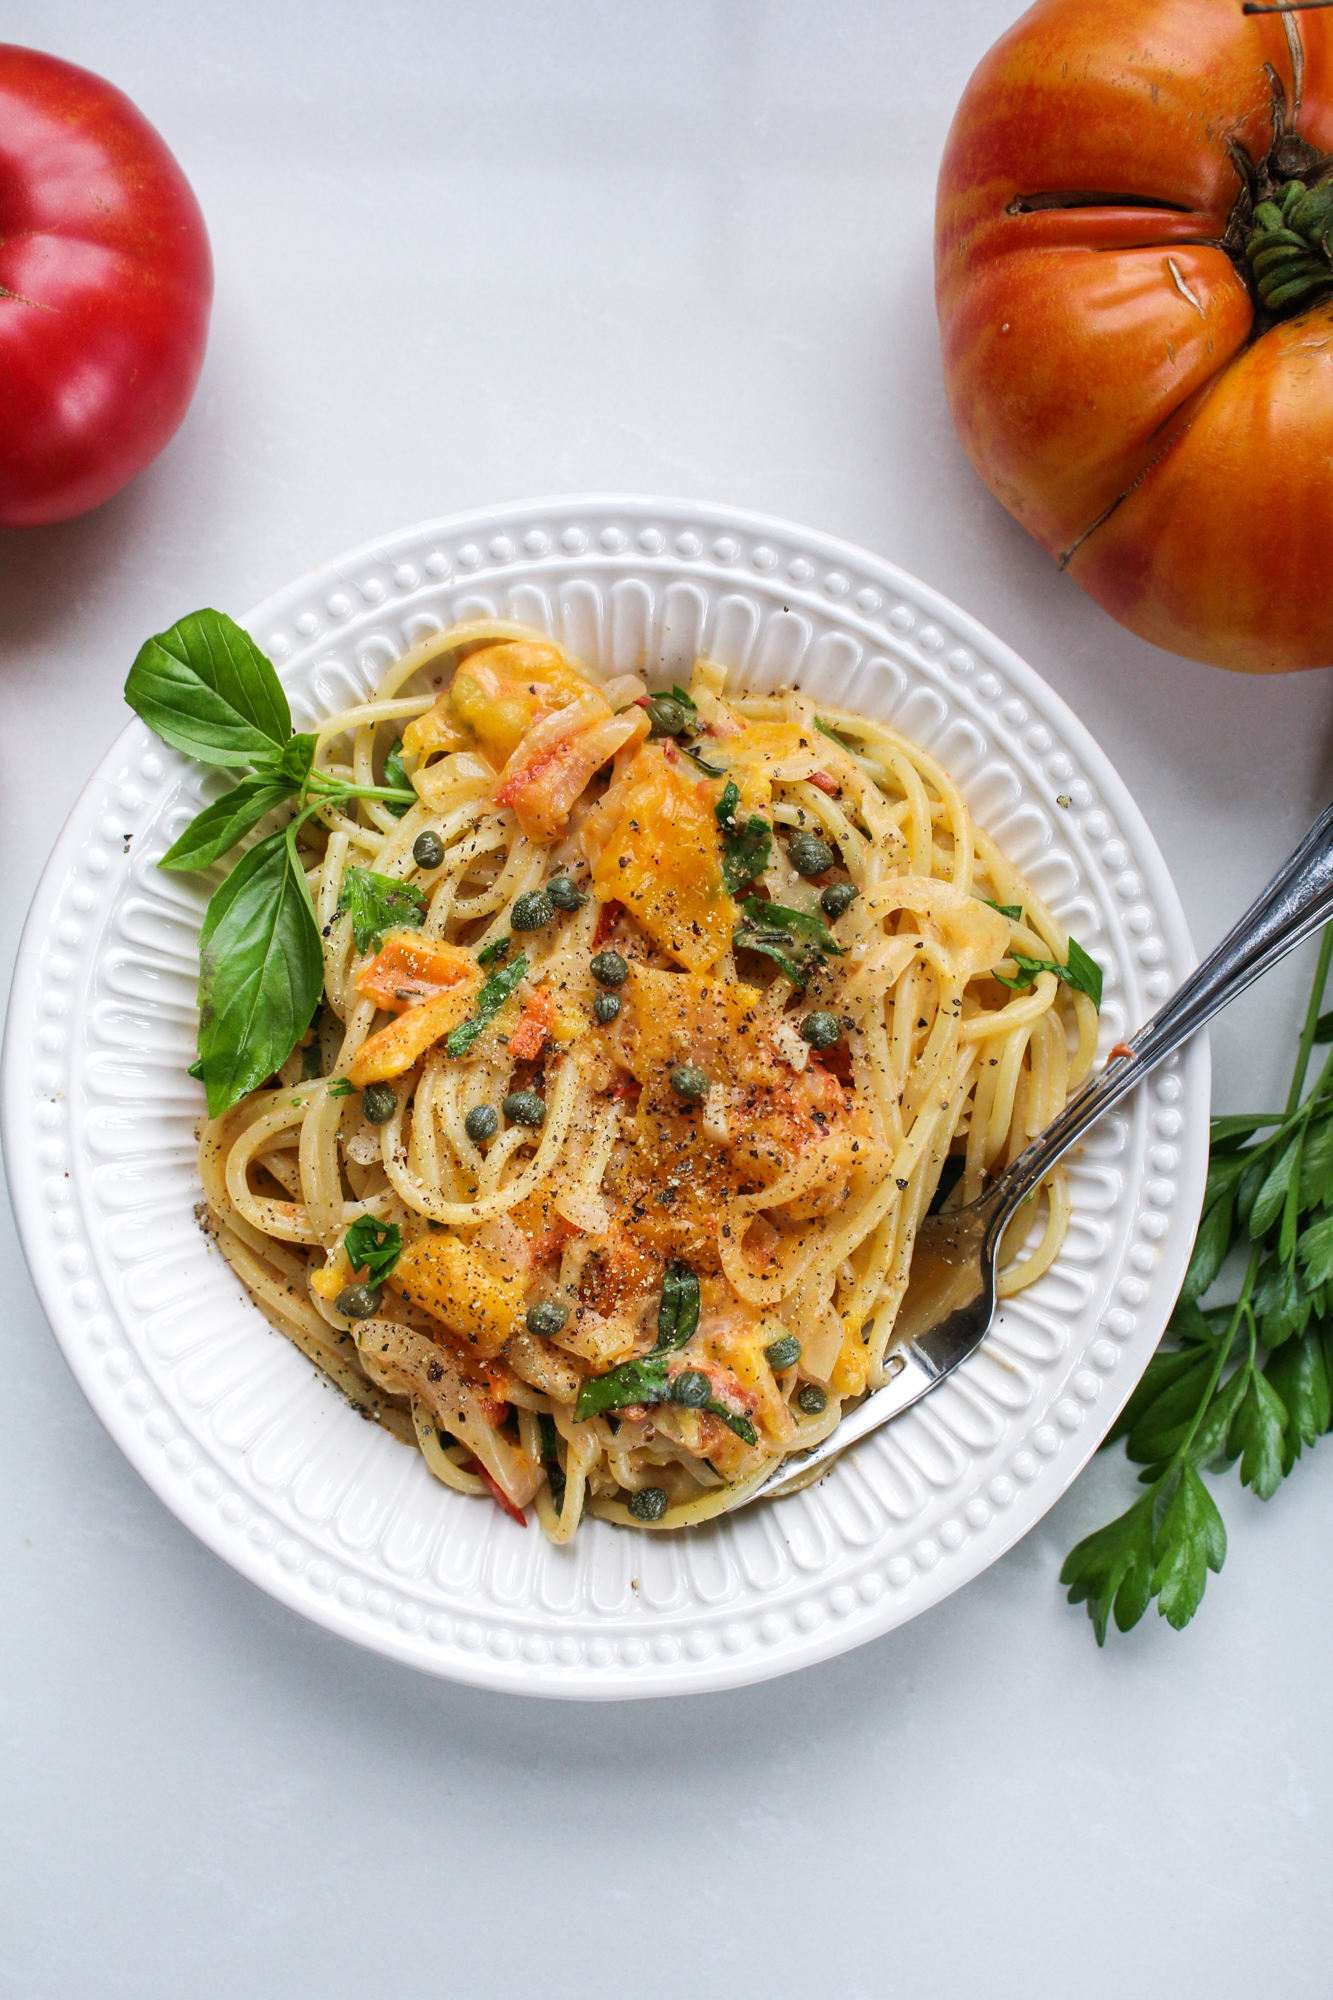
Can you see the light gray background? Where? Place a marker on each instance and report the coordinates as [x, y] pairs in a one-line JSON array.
[[469, 253]]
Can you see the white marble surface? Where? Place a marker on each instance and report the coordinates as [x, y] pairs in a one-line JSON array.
[[465, 254]]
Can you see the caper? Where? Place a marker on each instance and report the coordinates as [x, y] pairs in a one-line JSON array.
[[691, 1388], [428, 849], [784, 1352], [649, 1503], [667, 716], [808, 854], [821, 1029], [606, 1006], [837, 899], [359, 1301], [811, 1399], [565, 893], [378, 1103], [482, 1122], [546, 1317], [532, 912], [524, 1107], [609, 969], [689, 1082]]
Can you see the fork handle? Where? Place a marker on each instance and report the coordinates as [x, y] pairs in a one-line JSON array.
[[1297, 901]]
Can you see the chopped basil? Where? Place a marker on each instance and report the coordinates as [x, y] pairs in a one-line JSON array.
[[745, 848], [377, 903], [497, 989], [1082, 972], [395, 775], [678, 1314], [374, 1246], [794, 939]]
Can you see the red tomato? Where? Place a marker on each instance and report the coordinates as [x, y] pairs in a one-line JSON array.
[[105, 286], [1136, 301]]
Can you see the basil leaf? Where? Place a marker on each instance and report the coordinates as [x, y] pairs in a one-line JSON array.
[[495, 949], [196, 1070], [298, 758], [261, 972], [377, 903], [342, 1086], [374, 1246], [490, 1000], [395, 775], [632, 1382], [686, 701], [709, 770], [678, 1314], [219, 826], [205, 688], [1014, 911]]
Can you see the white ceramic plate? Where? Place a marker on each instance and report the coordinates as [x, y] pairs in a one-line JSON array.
[[229, 1424]]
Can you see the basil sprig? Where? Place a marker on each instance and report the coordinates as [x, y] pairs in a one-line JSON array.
[[1082, 972], [794, 939], [745, 846], [373, 1246], [495, 991], [206, 689], [377, 903]]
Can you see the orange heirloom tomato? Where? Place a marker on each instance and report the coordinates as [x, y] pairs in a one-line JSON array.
[[1135, 295]]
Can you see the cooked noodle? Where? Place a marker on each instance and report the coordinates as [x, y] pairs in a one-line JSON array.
[[696, 1147]]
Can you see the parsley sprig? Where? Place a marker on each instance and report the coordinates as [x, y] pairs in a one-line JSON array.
[[1250, 1381], [206, 689]]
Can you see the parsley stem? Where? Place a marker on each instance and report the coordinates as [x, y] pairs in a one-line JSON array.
[[1311, 1020], [1223, 1355]]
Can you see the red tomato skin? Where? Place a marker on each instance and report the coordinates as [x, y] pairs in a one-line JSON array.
[[106, 280], [1101, 361]]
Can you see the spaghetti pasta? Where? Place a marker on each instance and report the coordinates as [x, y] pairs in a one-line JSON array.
[[649, 1035]]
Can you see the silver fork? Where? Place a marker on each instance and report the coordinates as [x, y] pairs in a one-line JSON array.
[[951, 1298]]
